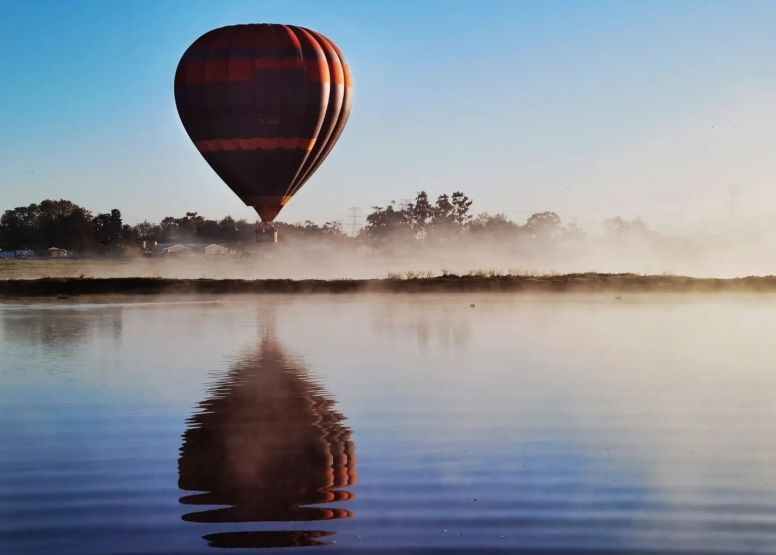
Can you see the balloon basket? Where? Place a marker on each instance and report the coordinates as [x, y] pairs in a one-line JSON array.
[[267, 237], [266, 234]]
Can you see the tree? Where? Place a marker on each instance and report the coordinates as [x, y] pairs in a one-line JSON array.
[[461, 205], [146, 231], [189, 225], [183, 229], [419, 213], [244, 231], [443, 213], [543, 226], [386, 225], [619, 228], [497, 226], [109, 229], [20, 230], [227, 230], [332, 229], [573, 232], [449, 216], [169, 229], [63, 224], [209, 230]]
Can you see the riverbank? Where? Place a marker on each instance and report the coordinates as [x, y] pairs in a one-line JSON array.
[[15, 289]]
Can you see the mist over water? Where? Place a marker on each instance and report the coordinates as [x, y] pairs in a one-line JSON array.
[[407, 423]]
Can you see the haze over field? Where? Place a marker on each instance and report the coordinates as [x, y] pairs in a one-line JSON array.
[[594, 110], [419, 238]]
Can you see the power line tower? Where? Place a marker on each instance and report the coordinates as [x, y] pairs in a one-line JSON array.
[[733, 193], [354, 217]]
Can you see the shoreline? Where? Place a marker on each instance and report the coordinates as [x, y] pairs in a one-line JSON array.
[[16, 289]]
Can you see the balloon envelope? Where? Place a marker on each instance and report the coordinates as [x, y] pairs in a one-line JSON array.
[[264, 104]]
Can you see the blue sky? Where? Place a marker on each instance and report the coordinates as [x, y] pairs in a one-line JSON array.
[[590, 109]]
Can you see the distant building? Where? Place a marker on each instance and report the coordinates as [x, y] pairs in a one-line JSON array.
[[168, 248], [54, 252], [216, 250], [7, 254]]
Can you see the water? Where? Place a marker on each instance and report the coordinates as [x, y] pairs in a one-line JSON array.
[[394, 424]]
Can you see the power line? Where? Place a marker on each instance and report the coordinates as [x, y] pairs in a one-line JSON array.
[[355, 212]]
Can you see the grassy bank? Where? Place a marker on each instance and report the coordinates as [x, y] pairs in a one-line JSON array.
[[570, 283]]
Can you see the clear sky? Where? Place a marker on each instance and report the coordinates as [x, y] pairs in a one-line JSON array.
[[591, 109]]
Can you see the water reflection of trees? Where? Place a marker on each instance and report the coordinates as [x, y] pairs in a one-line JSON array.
[[448, 326], [267, 446], [60, 328]]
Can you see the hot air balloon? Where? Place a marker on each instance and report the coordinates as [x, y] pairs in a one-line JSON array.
[[264, 104]]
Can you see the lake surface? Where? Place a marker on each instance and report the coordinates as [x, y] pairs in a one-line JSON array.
[[402, 424]]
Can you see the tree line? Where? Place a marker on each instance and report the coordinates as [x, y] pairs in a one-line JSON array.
[[64, 224], [448, 220], [444, 221]]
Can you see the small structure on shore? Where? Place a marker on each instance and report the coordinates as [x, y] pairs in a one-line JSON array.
[[54, 252], [165, 249], [266, 232], [216, 250]]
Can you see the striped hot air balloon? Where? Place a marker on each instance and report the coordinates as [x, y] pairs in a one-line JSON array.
[[264, 104]]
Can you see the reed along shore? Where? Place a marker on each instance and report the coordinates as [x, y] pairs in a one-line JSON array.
[[14, 289]]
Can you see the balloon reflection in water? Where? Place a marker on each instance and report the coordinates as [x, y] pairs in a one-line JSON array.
[[268, 446]]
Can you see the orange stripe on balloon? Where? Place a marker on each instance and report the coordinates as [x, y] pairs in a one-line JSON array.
[[318, 71], [348, 75], [256, 143], [267, 200], [201, 72], [340, 72]]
